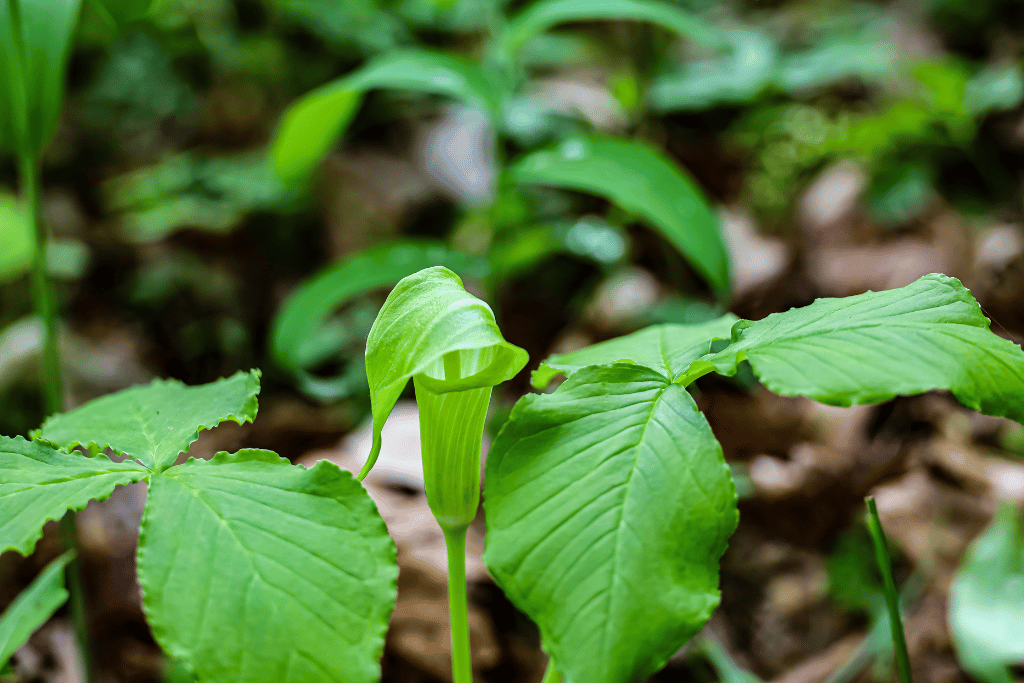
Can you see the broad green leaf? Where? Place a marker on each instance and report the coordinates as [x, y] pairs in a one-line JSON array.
[[545, 14], [39, 483], [640, 180], [986, 599], [256, 570], [153, 423], [609, 504], [669, 349], [871, 347], [33, 56], [33, 607], [432, 330], [16, 238], [298, 337], [312, 125]]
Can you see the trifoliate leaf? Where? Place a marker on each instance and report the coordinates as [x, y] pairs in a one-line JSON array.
[[871, 347], [256, 570], [669, 349], [33, 607], [155, 422], [430, 328], [39, 483], [608, 507]]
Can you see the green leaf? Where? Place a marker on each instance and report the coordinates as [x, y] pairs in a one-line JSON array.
[[253, 569], [33, 607], [155, 422], [16, 236], [311, 125], [39, 483], [986, 597], [669, 349], [125, 11], [545, 14], [430, 328], [643, 181], [608, 506], [298, 337], [871, 347], [33, 57]]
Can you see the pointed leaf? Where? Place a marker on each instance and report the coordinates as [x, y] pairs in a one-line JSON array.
[[256, 570], [871, 347], [297, 324], [39, 483], [155, 422], [311, 125], [545, 14], [33, 607], [669, 349], [608, 507], [986, 599], [431, 328], [640, 180], [33, 57]]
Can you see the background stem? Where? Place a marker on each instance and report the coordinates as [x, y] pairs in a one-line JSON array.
[[891, 599], [455, 542]]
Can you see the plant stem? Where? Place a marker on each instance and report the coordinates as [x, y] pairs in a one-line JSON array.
[[891, 599], [551, 675], [455, 543]]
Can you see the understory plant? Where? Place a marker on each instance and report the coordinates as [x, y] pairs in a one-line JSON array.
[[608, 500]]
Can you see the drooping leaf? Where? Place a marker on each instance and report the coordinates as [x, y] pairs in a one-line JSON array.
[[871, 347], [253, 569], [640, 180], [430, 328], [311, 126], [155, 422], [669, 349], [986, 599], [297, 339], [39, 483], [543, 15], [33, 607], [608, 507], [33, 57]]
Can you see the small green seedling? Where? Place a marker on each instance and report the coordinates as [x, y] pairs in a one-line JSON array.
[[33, 607]]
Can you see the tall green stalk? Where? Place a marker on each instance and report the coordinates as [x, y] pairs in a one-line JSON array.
[[891, 599], [455, 543]]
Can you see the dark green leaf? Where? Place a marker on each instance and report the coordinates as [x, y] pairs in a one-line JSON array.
[[640, 180], [155, 422], [256, 570], [871, 347], [39, 483], [33, 607], [608, 507]]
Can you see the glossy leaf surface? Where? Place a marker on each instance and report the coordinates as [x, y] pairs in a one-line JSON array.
[[296, 337], [668, 349], [311, 126], [33, 607], [155, 422], [871, 347], [608, 507], [430, 328], [543, 15], [987, 598], [640, 180], [33, 57], [39, 483], [253, 569]]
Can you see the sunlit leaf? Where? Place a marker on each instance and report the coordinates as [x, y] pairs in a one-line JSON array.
[[986, 597], [311, 126], [668, 349], [39, 483], [33, 606], [608, 507], [643, 181], [155, 422], [253, 569], [871, 347]]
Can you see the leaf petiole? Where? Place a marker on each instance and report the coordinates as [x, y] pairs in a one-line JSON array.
[[455, 544]]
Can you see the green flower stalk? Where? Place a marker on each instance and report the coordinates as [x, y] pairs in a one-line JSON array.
[[432, 331]]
